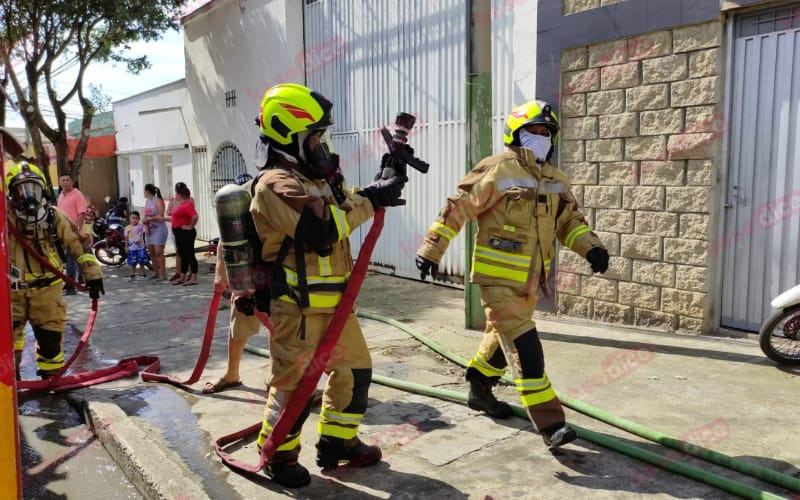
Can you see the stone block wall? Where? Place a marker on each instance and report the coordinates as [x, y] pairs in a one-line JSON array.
[[641, 132]]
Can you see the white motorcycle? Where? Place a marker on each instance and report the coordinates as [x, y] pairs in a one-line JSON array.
[[780, 335]]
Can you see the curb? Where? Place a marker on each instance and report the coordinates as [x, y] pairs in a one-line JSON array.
[[154, 474]]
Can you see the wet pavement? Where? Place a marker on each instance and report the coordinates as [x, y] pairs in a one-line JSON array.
[[721, 393], [61, 457]]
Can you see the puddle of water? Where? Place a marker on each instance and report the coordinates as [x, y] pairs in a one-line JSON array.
[[170, 413], [61, 458]]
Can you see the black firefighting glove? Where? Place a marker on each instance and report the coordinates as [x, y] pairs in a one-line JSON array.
[[598, 258], [386, 192], [245, 305], [95, 288], [426, 267]]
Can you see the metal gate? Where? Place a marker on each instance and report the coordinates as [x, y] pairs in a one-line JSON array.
[[373, 59], [227, 164], [759, 244]]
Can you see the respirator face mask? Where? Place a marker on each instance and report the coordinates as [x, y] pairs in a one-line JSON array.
[[317, 152], [28, 199]]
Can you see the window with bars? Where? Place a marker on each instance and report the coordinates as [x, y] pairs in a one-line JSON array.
[[230, 99], [762, 22]]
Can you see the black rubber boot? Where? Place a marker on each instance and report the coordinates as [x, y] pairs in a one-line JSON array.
[[17, 363], [331, 451], [288, 473], [558, 435], [481, 397]]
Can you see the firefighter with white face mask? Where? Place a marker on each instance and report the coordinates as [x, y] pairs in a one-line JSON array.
[[522, 204], [36, 293], [303, 215]]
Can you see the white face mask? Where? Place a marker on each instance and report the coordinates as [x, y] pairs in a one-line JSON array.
[[538, 144]]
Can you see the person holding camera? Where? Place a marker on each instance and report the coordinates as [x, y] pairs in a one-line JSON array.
[[304, 231], [522, 204]]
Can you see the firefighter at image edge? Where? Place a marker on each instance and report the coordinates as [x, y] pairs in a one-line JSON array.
[[35, 291], [303, 220], [522, 204]]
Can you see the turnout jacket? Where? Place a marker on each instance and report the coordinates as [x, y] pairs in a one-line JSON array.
[[288, 203], [521, 210], [42, 239]]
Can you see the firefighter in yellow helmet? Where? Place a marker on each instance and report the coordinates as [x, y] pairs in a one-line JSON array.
[[522, 204], [304, 215], [36, 292]]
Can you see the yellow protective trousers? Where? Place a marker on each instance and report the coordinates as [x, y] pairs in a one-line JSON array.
[[510, 330], [297, 333], [46, 311]]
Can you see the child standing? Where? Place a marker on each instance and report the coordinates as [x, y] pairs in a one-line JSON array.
[[134, 243]]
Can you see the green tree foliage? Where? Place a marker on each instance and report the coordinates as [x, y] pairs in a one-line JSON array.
[[39, 37]]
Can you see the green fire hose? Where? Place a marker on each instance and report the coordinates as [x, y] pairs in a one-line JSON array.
[[653, 458]]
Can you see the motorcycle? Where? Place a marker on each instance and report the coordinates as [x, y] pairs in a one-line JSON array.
[[780, 335], [109, 247]]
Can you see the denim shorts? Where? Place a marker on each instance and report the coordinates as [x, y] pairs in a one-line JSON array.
[[137, 257]]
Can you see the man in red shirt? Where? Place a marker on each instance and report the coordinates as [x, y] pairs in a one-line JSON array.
[[72, 202]]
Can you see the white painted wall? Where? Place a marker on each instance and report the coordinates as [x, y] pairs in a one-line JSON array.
[[240, 46], [513, 61], [150, 127]]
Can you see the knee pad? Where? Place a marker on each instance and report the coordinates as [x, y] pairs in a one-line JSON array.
[[49, 342], [531, 356], [362, 378]]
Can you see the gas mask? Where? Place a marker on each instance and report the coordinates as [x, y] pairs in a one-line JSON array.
[[317, 153], [539, 145], [28, 200]]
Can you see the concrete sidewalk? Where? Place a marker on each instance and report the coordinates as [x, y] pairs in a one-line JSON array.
[[719, 393]]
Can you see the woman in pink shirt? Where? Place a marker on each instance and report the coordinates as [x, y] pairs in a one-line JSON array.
[[184, 218]]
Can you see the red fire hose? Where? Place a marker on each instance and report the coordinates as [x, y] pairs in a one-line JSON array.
[[314, 371], [59, 382]]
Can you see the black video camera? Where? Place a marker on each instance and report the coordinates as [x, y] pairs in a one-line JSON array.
[[400, 154]]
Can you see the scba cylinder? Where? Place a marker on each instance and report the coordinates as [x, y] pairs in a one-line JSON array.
[[237, 234]]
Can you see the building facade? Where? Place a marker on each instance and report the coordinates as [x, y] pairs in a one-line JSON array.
[[680, 130], [152, 142]]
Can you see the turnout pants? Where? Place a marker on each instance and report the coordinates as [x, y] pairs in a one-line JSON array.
[[511, 335], [47, 313], [349, 366]]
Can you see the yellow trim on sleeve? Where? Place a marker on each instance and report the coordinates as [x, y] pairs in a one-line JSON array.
[[573, 235]]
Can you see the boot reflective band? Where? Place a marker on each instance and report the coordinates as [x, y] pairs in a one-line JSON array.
[[337, 424], [535, 391], [50, 364], [573, 235], [443, 230], [342, 226], [484, 367], [291, 442]]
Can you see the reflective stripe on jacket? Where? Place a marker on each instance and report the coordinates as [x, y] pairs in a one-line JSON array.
[[281, 195], [521, 210]]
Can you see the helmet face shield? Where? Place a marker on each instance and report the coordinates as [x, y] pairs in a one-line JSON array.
[[318, 153], [318, 146], [27, 196]]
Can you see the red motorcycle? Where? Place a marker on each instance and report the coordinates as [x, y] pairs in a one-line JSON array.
[[109, 248]]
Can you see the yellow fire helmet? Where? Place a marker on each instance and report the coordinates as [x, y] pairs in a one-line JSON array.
[[288, 109], [26, 186], [532, 112]]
